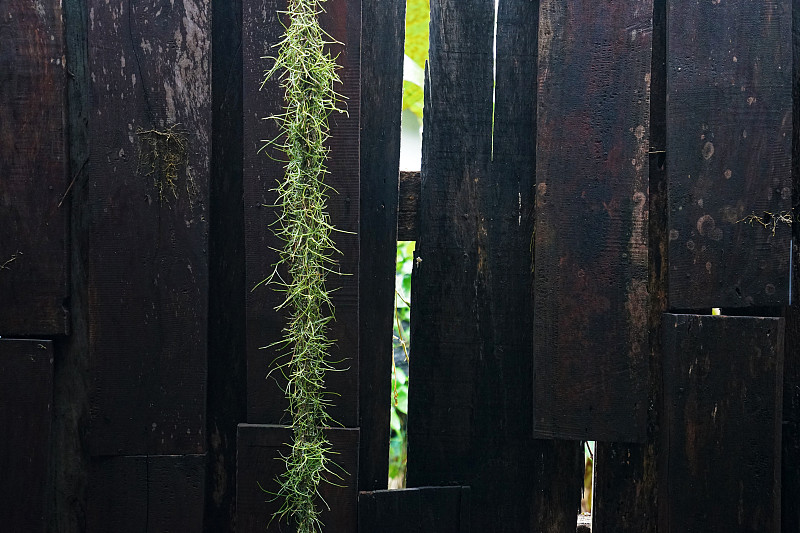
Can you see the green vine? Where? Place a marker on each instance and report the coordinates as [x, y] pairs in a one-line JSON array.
[[307, 74]]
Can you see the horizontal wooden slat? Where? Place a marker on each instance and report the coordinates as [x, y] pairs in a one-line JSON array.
[[417, 510], [408, 210], [259, 465], [721, 424], [26, 399], [729, 138]]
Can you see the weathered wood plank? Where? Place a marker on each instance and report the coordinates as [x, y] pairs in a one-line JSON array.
[[790, 453], [147, 263], [721, 424], [729, 140], [420, 510], [146, 493], [227, 366], [408, 209], [259, 464], [591, 256], [383, 32], [471, 323], [261, 29], [26, 401], [33, 170], [625, 474]]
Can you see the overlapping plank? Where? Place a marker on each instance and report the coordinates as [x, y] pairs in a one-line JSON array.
[[790, 464], [420, 510], [383, 30], [591, 256], [261, 30], [470, 410], [729, 135], [147, 260], [33, 170], [625, 481], [721, 424], [146, 493], [260, 464], [26, 401]]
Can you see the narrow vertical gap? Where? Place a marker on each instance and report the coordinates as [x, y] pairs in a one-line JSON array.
[[401, 349], [416, 45], [494, 69]]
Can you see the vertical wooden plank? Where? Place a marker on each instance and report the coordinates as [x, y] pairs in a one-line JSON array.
[[146, 493], [147, 256], [262, 29], [33, 171], [26, 399], [590, 313], [68, 460], [625, 474], [790, 451], [729, 140], [721, 424], [227, 365], [419, 510], [259, 464], [470, 412], [790, 465], [381, 101]]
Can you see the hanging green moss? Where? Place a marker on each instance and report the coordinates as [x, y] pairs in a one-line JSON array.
[[307, 74]]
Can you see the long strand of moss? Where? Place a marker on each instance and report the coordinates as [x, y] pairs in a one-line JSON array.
[[307, 74]]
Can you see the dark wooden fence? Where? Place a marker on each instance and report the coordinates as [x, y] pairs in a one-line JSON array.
[[596, 176]]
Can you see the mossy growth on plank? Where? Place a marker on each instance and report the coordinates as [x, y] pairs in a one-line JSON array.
[[163, 155], [308, 75]]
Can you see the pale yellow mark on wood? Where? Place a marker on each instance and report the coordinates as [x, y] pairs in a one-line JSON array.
[[728, 173], [708, 150]]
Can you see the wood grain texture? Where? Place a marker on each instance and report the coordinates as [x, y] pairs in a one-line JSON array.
[[383, 32], [266, 402], [408, 210], [790, 453], [147, 261], [33, 169], [259, 465], [591, 256], [470, 410], [227, 364], [419, 510], [26, 402], [721, 424], [729, 135], [146, 493], [625, 474]]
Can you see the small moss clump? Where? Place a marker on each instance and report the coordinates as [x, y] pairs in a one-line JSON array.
[[162, 155], [769, 220], [307, 74]]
